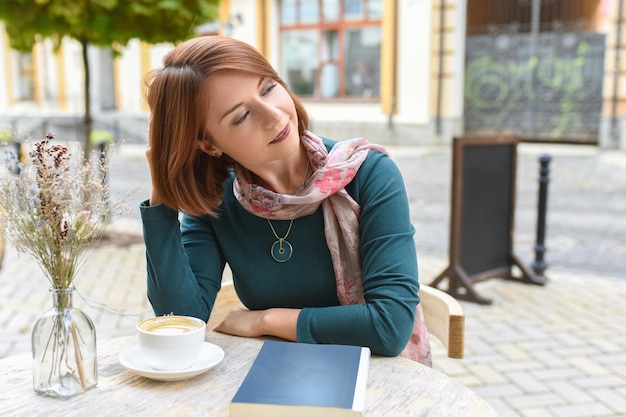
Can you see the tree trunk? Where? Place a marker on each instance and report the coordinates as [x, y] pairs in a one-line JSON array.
[[88, 122]]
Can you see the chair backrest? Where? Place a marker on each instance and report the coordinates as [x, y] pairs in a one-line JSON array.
[[445, 319], [443, 315], [225, 302]]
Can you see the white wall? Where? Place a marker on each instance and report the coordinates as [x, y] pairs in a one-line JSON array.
[[274, 29], [246, 29], [158, 52], [345, 112], [129, 81], [414, 60], [74, 78], [51, 92]]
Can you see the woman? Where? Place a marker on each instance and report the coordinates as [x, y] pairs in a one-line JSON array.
[[316, 233]]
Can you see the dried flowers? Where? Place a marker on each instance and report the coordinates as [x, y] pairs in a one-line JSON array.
[[54, 206]]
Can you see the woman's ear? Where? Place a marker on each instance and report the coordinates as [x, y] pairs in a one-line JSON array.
[[206, 147]]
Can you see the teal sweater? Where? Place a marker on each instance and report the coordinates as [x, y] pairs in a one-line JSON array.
[[185, 263]]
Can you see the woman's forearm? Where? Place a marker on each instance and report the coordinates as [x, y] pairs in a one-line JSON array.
[[278, 322]]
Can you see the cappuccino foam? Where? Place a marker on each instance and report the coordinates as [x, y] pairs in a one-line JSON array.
[[168, 325]]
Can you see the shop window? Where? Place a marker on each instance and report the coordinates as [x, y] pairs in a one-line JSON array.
[[331, 48]]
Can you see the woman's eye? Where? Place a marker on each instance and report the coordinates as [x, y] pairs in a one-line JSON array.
[[269, 89], [242, 118], [265, 92]]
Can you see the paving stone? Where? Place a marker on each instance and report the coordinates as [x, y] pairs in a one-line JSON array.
[[613, 359], [527, 366], [490, 391], [551, 359], [469, 380], [557, 373], [536, 412], [612, 398], [582, 410], [512, 352], [536, 400], [503, 409], [527, 382], [569, 391], [588, 365], [557, 350]]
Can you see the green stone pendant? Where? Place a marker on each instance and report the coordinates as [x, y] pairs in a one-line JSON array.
[[281, 250]]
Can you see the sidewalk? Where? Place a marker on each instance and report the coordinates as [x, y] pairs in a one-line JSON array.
[[557, 350]]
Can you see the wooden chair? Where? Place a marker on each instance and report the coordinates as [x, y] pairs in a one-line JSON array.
[[443, 315], [444, 318], [225, 302]]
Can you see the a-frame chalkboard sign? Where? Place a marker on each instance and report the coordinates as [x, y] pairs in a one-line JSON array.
[[482, 216]]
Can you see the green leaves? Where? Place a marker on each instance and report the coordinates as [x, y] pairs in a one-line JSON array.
[[104, 22]]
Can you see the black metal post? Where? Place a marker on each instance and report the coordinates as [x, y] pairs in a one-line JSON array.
[[18, 150], [102, 150], [616, 74], [539, 265], [19, 157]]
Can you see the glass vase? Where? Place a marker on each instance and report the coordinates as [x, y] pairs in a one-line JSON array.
[[64, 349]]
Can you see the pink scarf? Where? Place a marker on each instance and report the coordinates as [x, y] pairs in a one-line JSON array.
[[332, 171]]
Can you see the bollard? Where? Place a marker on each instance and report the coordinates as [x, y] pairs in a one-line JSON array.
[[539, 265], [102, 149]]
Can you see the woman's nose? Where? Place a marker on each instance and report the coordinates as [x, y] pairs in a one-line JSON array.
[[271, 114]]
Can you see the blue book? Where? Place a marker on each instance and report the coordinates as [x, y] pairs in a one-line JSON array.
[[304, 380]]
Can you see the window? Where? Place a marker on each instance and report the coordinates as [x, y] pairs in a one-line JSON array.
[[331, 48], [25, 86]]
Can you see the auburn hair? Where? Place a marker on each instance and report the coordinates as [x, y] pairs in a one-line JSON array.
[[186, 178]]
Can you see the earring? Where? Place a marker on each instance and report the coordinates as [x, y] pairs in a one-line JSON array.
[[216, 154]]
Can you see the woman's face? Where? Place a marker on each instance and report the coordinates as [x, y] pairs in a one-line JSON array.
[[251, 119]]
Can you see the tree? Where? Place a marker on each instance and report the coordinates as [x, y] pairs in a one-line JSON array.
[[107, 23]]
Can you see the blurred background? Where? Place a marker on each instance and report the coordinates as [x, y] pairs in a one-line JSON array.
[[403, 72]]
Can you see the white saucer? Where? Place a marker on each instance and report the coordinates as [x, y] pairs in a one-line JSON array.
[[210, 356]]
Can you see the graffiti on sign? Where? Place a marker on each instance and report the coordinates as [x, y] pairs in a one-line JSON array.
[[548, 86]]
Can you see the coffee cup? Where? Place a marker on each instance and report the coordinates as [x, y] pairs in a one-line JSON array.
[[171, 343]]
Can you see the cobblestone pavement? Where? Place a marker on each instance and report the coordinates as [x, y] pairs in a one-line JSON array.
[[557, 350]]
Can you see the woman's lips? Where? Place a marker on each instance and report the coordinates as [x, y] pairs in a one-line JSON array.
[[282, 135]]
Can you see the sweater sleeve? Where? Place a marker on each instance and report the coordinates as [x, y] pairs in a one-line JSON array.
[[183, 276], [389, 264]]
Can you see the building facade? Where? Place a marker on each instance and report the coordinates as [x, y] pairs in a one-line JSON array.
[[405, 72]]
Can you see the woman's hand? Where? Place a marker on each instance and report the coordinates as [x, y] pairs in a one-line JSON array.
[[155, 198], [242, 322], [279, 322]]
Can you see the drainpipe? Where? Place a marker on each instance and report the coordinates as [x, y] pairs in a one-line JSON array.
[[394, 67], [442, 21], [616, 71]]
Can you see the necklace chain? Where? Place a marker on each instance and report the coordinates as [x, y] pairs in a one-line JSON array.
[[274, 231], [281, 250]]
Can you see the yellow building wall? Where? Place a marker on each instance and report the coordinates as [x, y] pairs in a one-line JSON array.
[[443, 66], [389, 59], [61, 78], [610, 64], [8, 69], [145, 63]]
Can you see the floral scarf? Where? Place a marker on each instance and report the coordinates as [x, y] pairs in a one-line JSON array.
[[332, 171]]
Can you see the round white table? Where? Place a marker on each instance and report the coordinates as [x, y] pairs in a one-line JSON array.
[[396, 387]]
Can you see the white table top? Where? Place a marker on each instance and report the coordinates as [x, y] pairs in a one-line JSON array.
[[396, 387]]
